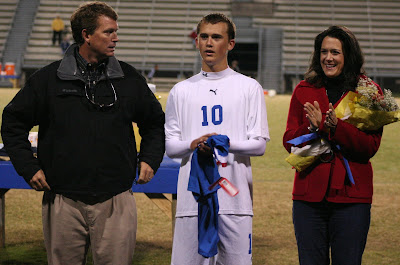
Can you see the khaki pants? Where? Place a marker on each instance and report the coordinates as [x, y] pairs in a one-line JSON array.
[[70, 227]]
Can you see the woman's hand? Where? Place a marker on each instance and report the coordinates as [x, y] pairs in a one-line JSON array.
[[313, 114], [330, 119]]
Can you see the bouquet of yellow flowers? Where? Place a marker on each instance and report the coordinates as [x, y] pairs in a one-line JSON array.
[[366, 109]]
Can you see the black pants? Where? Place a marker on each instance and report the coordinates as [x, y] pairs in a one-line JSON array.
[[343, 227], [57, 36]]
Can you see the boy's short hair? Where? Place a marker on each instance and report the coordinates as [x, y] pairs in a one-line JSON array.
[[215, 18]]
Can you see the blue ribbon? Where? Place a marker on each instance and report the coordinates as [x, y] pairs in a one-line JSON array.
[[347, 166], [311, 136], [304, 138]]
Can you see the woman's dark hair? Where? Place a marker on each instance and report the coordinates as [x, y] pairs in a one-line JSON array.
[[353, 58], [85, 17]]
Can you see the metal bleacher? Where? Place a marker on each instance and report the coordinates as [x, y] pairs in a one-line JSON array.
[[376, 25], [151, 32], [157, 32], [7, 13]]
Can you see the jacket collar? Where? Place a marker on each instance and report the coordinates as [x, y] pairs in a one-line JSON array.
[[69, 70]]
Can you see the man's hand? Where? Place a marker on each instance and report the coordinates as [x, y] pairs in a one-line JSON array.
[[146, 173], [38, 182], [201, 144]]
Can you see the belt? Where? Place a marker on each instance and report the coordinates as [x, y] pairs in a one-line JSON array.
[[89, 199]]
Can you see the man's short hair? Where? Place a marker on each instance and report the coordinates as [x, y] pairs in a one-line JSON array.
[[85, 17], [215, 18]]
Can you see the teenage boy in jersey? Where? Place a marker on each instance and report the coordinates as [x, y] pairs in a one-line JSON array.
[[218, 100]]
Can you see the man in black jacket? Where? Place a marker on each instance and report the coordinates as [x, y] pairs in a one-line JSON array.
[[84, 105]]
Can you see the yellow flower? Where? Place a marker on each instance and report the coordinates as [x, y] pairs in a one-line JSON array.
[[368, 110]]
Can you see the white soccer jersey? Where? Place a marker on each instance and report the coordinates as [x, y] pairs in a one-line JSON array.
[[226, 103]]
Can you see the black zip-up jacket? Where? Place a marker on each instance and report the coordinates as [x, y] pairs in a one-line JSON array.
[[84, 149]]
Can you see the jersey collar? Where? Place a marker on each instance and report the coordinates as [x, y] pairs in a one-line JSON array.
[[216, 75]]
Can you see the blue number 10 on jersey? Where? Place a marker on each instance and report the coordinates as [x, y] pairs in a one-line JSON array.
[[216, 115]]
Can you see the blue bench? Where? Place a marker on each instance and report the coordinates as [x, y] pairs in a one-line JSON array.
[[163, 183]]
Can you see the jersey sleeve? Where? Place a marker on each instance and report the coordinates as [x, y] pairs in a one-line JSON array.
[[174, 146], [251, 147], [257, 123]]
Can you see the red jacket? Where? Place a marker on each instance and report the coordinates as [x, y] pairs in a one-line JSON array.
[[329, 180]]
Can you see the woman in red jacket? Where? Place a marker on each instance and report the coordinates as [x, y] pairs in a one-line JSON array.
[[331, 205]]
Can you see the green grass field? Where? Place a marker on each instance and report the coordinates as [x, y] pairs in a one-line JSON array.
[[273, 236]]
